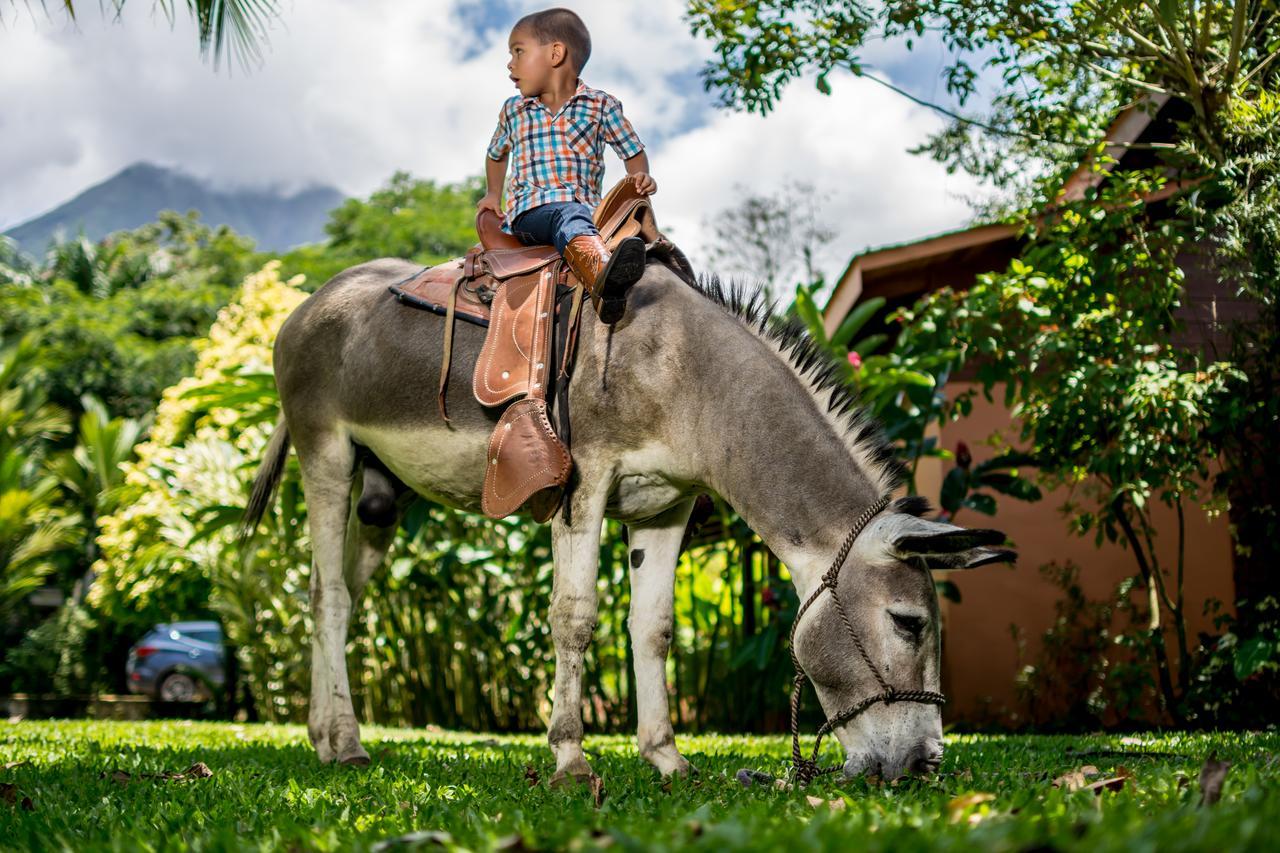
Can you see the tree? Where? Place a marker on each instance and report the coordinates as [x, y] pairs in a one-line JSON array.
[[116, 319], [236, 27], [772, 237], [1065, 67], [408, 218]]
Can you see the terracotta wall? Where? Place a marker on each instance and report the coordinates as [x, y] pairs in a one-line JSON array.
[[980, 658]]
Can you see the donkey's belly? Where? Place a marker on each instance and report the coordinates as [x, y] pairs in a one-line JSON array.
[[439, 463]]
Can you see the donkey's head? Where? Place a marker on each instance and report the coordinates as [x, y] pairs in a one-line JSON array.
[[888, 597]]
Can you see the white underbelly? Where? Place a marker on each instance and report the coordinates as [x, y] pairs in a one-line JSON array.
[[444, 465]]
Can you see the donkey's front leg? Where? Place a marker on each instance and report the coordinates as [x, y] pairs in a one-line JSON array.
[[654, 548], [576, 551]]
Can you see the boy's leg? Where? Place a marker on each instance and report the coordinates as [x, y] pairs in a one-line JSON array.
[[570, 228], [607, 276]]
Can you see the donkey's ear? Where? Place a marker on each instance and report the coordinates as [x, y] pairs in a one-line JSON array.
[[971, 559], [945, 546]]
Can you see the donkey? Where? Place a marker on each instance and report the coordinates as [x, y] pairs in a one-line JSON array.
[[696, 390]]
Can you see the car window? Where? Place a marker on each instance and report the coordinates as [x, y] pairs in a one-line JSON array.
[[210, 637]]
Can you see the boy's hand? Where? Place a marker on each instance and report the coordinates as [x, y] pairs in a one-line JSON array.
[[491, 201], [645, 184]]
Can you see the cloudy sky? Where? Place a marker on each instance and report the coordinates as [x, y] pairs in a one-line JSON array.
[[351, 90]]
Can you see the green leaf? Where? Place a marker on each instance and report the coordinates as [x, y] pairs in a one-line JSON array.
[[857, 318], [954, 488], [947, 590], [1254, 655], [1009, 484], [979, 502]]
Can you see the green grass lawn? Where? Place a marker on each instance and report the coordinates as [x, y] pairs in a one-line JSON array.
[[88, 788]]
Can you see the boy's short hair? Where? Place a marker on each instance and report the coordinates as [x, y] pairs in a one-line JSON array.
[[562, 25]]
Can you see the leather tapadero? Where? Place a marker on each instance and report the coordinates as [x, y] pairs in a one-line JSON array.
[[525, 458], [516, 354]]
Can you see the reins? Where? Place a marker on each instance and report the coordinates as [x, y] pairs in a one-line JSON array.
[[807, 769]]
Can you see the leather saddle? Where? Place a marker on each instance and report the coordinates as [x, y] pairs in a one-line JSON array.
[[531, 304]]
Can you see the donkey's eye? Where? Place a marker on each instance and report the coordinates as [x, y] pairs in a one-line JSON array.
[[908, 624]]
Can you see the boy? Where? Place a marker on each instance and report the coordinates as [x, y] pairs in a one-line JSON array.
[[554, 131]]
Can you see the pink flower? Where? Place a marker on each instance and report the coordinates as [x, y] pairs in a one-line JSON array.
[[855, 360]]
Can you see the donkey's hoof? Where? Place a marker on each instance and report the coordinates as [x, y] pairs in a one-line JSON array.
[[357, 758], [567, 779]]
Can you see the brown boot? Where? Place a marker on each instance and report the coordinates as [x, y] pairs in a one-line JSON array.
[[606, 277]]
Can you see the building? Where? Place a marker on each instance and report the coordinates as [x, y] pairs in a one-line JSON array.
[[1004, 612]]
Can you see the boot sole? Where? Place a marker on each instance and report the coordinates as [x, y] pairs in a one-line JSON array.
[[624, 269]]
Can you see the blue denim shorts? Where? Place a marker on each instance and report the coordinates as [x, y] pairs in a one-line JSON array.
[[556, 223]]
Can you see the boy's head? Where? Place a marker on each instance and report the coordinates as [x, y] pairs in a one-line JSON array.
[[546, 45]]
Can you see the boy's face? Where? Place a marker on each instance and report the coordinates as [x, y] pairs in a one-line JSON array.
[[531, 63]]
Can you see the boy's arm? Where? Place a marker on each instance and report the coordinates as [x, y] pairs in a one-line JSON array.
[[639, 166], [495, 172], [495, 164], [622, 137]]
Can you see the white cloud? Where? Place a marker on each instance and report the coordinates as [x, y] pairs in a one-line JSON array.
[[851, 144], [352, 90]]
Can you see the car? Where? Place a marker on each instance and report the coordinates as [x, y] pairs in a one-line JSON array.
[[178, 662]]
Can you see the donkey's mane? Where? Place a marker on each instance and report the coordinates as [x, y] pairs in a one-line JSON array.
[[817, 371]]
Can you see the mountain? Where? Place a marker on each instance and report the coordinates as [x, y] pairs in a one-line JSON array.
[[276, 220]]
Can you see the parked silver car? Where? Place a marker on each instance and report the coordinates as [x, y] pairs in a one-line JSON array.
[[178, 662]]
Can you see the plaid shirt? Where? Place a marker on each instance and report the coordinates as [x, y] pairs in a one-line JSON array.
[[560, 157]]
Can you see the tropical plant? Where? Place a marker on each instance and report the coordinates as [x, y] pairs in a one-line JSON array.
[[235, 27], [116, 319], [34, 527]]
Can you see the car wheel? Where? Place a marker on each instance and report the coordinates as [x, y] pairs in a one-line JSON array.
[[178, 687]]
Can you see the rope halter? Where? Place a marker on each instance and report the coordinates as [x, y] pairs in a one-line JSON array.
[[807, 769]]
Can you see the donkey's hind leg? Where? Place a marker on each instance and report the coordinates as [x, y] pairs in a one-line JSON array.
[[654, 548], [328, 462]]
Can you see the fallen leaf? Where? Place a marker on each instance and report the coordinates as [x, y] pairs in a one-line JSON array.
[[782, 784], [961, 804], [531, 776], [597, 790], [835, 805], [13, 764], [199, 770], [514, 843], [1212, 775], [1115, 783], [1076, 779]]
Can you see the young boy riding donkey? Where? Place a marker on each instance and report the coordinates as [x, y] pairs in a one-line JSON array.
[[553, 132], [651, 395]]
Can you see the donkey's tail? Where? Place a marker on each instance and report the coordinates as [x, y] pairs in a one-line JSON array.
[[270, 472]]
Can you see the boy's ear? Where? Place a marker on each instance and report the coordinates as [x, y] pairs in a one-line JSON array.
[[559, 53]]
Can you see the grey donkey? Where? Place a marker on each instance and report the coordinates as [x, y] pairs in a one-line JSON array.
[[696, 390]]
